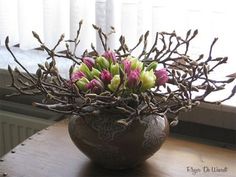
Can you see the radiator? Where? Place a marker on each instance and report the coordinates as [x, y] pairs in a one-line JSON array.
[[15, 128], [18, 119]]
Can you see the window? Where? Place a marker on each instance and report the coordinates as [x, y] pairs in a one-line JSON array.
[[50, 18]]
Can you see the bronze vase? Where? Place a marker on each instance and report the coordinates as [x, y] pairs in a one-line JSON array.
[[116, 146]]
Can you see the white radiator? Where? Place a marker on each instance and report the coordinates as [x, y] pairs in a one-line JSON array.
[[18, 120], [14, 128]]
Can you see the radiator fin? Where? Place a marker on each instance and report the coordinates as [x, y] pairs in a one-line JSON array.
[[15, 128]]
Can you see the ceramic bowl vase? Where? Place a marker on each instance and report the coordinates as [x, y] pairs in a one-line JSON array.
[[116, 146]]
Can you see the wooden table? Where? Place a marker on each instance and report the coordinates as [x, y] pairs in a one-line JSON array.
[[51, 153]]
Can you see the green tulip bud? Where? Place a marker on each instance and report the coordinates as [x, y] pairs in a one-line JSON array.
[[136, 64], [114, 83], [75, 69], [152, 66], [84, 68], [148, 80], [102, 63], [81, 84], [114, 69], [95, 72]]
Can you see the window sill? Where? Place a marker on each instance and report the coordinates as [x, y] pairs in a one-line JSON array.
[[223, 116]]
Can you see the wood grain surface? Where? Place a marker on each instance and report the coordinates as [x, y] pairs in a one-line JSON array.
[[51, 153]]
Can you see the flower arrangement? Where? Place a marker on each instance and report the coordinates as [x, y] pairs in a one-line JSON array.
[[104, 74], [162, 80]]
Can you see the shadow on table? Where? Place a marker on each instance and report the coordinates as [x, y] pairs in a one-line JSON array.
[[146, 169]]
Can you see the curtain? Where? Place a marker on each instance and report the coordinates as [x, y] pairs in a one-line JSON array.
[[51, 18], [131, 18]]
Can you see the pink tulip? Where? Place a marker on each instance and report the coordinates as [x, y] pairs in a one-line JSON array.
[[161, 76], [90, 62], [110, 56], [95, 86], [127, 66], [106, 77], [133, 78], [77, 75]]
